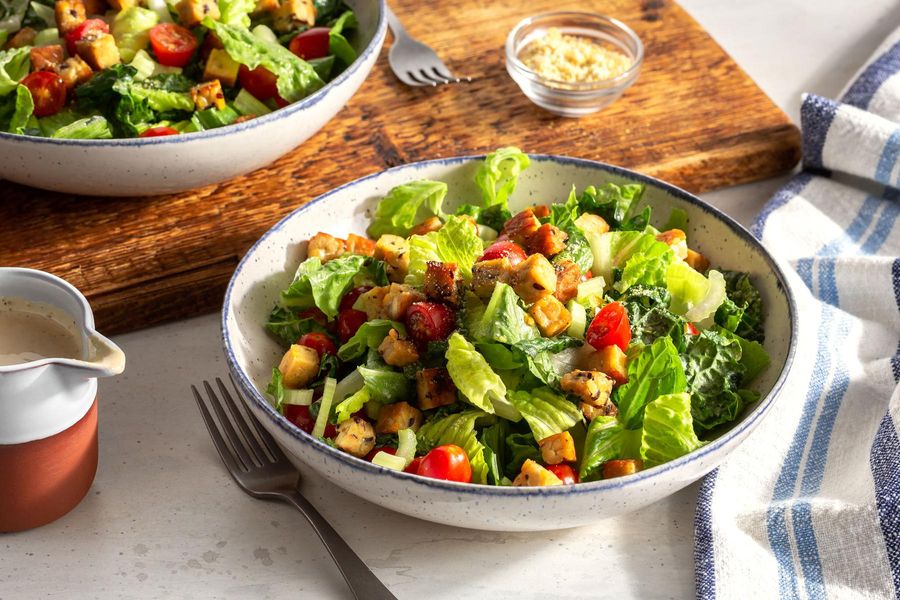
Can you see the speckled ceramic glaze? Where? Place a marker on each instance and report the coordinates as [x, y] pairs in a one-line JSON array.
[[270, 264], [161, 165]]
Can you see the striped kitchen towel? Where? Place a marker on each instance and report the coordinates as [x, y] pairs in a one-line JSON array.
[[809, 505]]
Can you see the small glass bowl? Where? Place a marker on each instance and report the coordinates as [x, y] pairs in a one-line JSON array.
[[566, 98]]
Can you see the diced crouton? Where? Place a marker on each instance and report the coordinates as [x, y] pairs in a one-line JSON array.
[[192, 12], [265, 6], [325, 247], [676, 240], [99, 50], [697, 261], [487, 273], [434, 388], [394, 250], [591, 412], [74, 71], [208, 95], [294, 13], [442, 282], [550, 316], [592, 387], [534, 278], [399, 415], [95, 7], [521, 227], [533, 475], [541, 211], [299, 366], [558, 448], [611, 361], [360, 245], [372, 303], [69, 14], [620, 468], [397, 352], [568, 276], [47, 58], [355, 436], [219, 65], [23, 38], [427, 226], [548, 240], [397, 300], [120, 5], [592, 224]]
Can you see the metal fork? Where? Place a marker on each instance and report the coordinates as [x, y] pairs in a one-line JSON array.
[[262, 470], [413, 62]]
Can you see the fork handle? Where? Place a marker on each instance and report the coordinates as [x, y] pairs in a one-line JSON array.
[[363, 583], [394, 23]]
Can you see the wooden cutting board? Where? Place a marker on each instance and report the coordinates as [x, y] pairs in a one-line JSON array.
[[693, 118]]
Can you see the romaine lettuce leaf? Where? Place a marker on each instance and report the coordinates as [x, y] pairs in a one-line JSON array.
[[503, 319], [385, 386], [612, 202], [520, 447], [656, 371], [744, 295], [713, 369], [754, 357], [607, 439], [11, 14], [546, 412], [322, 285], [131, 29], [456, 242], [493, 439], [694, 296], [288, 327], [614, 249], [458, 429], [478, 384], [89, 128], [668, 431], [337, 42], [236, 12], [15, 110], [406, 205], [14, 66], [650, 317], [647, 266], [296, 77], [678, 219], [276, 388], [498, 175], [368, 336]]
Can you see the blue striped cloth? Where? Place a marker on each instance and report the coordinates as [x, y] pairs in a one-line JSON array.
[[809, 505]]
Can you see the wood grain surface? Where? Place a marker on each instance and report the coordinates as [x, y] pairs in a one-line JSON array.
[[693, 118]]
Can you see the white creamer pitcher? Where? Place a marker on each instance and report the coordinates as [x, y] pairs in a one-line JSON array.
[[48, 410]]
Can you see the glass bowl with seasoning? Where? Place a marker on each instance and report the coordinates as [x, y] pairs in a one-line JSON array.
[[573, 63]]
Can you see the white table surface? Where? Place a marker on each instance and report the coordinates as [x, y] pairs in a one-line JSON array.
[[164, 520]]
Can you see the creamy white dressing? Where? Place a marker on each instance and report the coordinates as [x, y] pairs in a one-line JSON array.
[[32, 331]]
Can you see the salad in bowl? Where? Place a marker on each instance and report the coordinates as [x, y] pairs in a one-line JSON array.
[[567, 342], [92, 69]]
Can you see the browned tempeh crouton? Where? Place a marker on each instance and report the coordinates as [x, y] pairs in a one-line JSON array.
[[355, 436], [360, 245], [427, 226], [550, 316], [558, 448], [69, 14], [533, 474], [326, 247], [676, 240], [397, 352], [611, 361], [442, 282], [487, 273], [74, 71], [697, 261], [99, 50], [520, 227], [593, 388], [398, 298], [568, 276], [592, 224], [534, 278], [47, 58], [299, 366], [393, 250], [434, 388], [294, 13], [622, 467], [548, 240], [208, 94], [399, 415], [23, 38], [192, 12]]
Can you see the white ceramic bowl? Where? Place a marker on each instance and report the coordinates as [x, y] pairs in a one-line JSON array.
[[162, 165], [269, 266]]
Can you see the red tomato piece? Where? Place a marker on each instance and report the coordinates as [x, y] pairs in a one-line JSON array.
[[312, 43], [260, 82], [319, 342], [429, 322], [350, 297], [349, 322], [512, 251], [413, 466], [610, 327], [565, 473], [86, 27], [173, 44], [448, 462], [159, 131], [689, 329], [48, 91], [330, 431], [299, 416]]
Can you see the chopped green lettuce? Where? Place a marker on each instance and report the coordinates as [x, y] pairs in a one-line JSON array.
[[385, 386], [668, 431], [650, 317], [546, 412], [498, 175], [456, 242], [89, 128], [694, 296], [368, 336], [714, 373], [131, 28], [14, 66], [236, 12], [16, 110], [747, 305], [611, 201], [503, 319], [656, 371], [288, 326], [478, 384], [322, 285], [647, 266], [616, 249], [458, 429], [678, 219], [11, 15], [296, 77], [406, 205], [493, 439], [607, 439], [337, 42], [275, 389], [520, 447]]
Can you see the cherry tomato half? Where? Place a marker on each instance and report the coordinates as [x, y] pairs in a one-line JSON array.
[[260, 82], [446, 462], [429, 322], [172, 44], [689, 329], [512, 251], [319, 342], [414, 466], [48, 91], [565, 473], [86, 27], [610, 327], [159, 131], [299, 416], [312, 43], [350, 297], [349, 322]]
